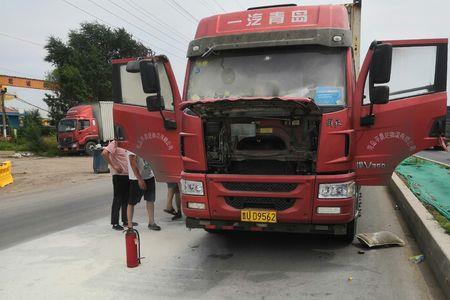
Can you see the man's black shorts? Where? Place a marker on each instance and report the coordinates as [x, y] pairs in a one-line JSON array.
[[136, 193], [172, 185]]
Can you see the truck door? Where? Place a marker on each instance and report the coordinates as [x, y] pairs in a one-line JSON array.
[[153, 135], [407, 117]]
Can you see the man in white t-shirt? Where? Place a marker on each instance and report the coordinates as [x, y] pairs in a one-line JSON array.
[[142, 183]]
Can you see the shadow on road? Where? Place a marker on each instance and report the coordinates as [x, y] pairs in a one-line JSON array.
[[270, 252]]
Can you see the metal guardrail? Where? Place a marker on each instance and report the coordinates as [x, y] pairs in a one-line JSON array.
[[5, 174]]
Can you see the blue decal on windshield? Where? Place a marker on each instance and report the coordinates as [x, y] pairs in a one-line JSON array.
[[328, 95]]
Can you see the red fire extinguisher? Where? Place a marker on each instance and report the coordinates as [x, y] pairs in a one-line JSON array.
[[133, 245]]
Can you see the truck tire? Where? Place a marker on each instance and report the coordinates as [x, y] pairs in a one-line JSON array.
[[216, 231], [351, 232], [89, 148]]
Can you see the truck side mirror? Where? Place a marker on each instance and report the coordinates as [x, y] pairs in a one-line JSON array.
[[380, 68], [149, 77], [133, 66], [380, 72], [379, 94], [154, 103]]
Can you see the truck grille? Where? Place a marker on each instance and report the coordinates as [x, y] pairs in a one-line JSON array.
[[260, 202], [260, 186]]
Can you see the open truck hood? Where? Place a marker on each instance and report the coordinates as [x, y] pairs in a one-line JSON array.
[[254, 106]]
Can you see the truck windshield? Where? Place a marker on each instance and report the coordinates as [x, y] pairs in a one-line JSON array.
[[67, 125], [314, 72]]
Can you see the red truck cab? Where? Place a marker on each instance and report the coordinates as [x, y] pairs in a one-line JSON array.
[[78, 131], [275, 131]]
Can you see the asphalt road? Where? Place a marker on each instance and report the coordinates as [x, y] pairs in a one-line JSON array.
[[33, 215], [86, 260], [440, 156]]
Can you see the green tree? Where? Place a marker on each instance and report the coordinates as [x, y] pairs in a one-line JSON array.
[[31, 131], [83, 68]]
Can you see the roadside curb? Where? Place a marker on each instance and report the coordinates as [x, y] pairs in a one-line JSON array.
[[433, 161], [430, 236]]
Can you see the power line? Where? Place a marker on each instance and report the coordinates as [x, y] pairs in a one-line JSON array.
[[88, 13], [95, 17], [220, 6], [31, 104], [157, 20], [239, 4], [185, 10], [139, 39], [132, 24], [182, 11], [17, 72], [143, 21], [206, 4], [21, 39], [101, 20]]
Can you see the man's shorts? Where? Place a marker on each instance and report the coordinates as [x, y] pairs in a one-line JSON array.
[[136, 193], [172, 185]]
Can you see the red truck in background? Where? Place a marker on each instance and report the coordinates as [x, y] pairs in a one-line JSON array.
[[85, 126], [275, 130]]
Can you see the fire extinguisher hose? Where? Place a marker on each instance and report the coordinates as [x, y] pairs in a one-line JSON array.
[[139, 245]]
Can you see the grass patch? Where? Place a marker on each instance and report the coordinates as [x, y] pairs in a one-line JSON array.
[[44, 146], [49, 146], [439, 218], [13, 146]]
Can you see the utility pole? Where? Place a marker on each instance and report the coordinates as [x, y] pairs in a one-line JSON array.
[[354, 11], [3, 92]]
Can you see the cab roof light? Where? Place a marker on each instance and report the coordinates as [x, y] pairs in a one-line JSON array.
[[271, 6]]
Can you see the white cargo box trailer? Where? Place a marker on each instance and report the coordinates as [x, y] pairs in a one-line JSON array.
[[103, 112]]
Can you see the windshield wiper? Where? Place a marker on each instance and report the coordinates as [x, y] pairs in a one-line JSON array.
[[209, 51]]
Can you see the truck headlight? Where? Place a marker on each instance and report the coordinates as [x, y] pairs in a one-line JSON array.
[[189, 187], [337, 190]]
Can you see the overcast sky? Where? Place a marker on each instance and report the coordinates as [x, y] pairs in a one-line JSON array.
[[35, 21]]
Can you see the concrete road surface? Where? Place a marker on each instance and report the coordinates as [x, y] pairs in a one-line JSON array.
[[440, 156], [87, 260]]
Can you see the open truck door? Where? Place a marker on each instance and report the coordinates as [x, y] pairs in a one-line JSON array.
[[399, 105], [146, 118]]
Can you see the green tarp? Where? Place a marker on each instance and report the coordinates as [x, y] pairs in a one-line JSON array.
[[429, 181]]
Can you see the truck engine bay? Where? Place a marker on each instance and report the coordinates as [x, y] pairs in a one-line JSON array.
[[265, 137]]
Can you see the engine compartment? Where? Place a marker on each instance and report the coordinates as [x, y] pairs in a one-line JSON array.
[[259, 136], [265, 146]]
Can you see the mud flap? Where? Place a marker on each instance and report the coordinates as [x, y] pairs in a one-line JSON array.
[[443, 143]]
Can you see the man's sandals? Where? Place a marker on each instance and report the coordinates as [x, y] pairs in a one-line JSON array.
[[172, 211]]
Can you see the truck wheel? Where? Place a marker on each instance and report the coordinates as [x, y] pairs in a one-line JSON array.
[[216, 231], [351, 232], [89, 148]]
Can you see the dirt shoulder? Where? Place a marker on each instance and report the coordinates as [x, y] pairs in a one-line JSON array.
[[34, 174]]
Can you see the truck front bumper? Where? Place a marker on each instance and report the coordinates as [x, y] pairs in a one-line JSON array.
[[331, 229], [69, 148], [293, 197]]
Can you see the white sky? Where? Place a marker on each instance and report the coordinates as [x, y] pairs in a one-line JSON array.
[[37, 20]]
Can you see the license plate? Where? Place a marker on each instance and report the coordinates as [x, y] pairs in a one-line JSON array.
[[258, 216]]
